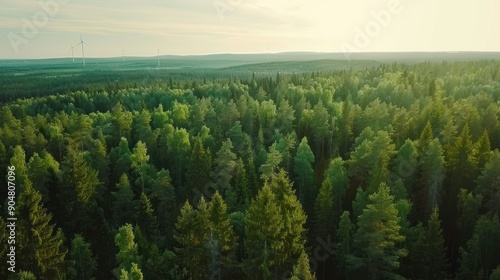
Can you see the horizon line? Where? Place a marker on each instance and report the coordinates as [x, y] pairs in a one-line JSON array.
[[265, 53]]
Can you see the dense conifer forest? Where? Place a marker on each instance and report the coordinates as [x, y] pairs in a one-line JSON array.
[[379, 172]]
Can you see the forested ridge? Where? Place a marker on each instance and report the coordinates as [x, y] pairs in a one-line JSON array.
[[388, 172]]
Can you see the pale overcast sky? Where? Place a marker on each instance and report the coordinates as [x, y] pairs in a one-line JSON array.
[[140, 27]]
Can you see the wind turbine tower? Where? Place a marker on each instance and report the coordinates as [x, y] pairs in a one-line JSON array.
[[83, 50], [158, 58], [72, 49]]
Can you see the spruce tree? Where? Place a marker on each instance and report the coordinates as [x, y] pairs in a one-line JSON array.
[[139, 159], [198, 171], [263, 240], [146, 218], [376, 252], [134, 273], [330, 199], [79, 191], [120, 159], [18, 160], [127, 250], [40, 248], [488, 184], [303, 170], [292, 215], [164, 200], [223, 167], [123, 203], [482, 252], [191, 232], [344, 244], [437, 264], [432, 175], [271, 164], [84, 264], [241, 187], [302, 270]]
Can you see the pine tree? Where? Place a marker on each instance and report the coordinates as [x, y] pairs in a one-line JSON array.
[[18, 160], [127, 250], [42, 171], [155, 263], [263, 240], [141, 129], [303, 169], [221, 235], [329, 202], [406, 165], [468, 206], [191, 232], [78, 195], [321, 128], [81, 132], [272, 163], [40, 249], [359, 204], [146, 218], [164, 199], [84, 265], [237, 136], [124, 205], [432, 177], [462, 163], [24, 275], [178, 147], [483, 150], [344, 244], [376, 254], [495, 274], [292, 215], [134, 273], [285, 145], [121, 121], [120, 159], [302, 270], [437, 264], [80, 180], [368, 165], [224, 166], [482, 252], [100, 161], [139, 159], [198, 171], [488, 184], [425, 138], [241, 187]]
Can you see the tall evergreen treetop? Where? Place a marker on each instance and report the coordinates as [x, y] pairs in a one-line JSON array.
[[376, 252]]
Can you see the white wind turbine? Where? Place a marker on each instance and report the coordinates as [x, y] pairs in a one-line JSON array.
[[83, 50], [158, 58], [72, 49]]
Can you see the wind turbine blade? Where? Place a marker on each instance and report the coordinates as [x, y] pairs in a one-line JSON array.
[[78, 44]]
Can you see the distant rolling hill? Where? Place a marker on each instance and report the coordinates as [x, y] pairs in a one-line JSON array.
[[292, 67], [229, 60], [60, 75]]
